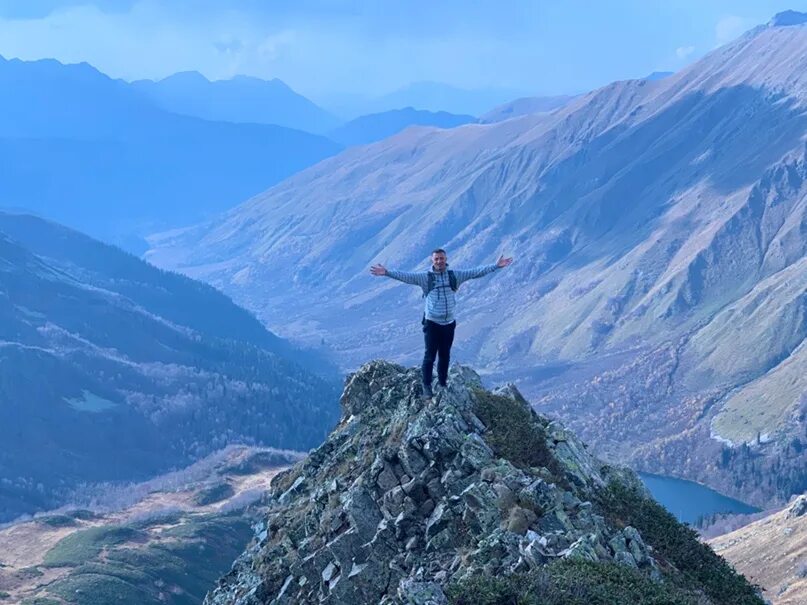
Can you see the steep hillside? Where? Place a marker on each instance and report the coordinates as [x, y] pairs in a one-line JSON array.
[[113, 370], [650, 221], [88, 151], [241, 99], [772, 552], [468, 498]]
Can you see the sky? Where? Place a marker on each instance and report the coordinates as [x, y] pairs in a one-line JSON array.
[[322, 47]]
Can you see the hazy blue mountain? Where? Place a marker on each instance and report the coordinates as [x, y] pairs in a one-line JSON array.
[[377, 126], [436, 96], [88, 151], [241, 99], [112, 369], [660, 259], [431, 96]]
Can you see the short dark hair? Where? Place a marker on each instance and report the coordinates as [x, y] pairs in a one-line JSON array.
[[438, 251]]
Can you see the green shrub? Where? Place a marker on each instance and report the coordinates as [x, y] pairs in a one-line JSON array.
[[83, 514], [57, 521], [571, 582], [677, 544], [213, 493], [30, 572], [40, 601], [513, 431]]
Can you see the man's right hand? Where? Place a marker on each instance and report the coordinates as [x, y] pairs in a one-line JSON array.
[[378, 269]]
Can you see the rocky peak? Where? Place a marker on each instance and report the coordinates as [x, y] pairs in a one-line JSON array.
[[409, 497], [788, 18]]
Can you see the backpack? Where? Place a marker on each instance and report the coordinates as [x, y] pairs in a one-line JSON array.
[[452, 282]]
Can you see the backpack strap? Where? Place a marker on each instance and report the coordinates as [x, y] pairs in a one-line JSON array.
[[452, 282]]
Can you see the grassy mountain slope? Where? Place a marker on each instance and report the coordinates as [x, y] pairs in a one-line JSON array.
[[115, 370]]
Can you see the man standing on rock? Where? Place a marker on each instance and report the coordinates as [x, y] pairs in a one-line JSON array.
[[439, 286]]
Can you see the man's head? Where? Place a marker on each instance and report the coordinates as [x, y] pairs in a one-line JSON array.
[[439, 260]]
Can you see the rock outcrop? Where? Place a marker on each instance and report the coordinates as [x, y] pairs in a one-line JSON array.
[[409, 499], [797, 508]]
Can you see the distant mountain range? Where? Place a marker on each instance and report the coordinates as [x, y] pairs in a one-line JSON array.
[[241, 99], [91, 152], [120, 160], [113, 370], [377, 126], [657, 297], [429, 96]]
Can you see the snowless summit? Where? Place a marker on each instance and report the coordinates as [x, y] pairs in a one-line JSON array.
[[468, 494]]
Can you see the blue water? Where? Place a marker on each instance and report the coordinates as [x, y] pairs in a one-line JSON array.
[[688, 501]]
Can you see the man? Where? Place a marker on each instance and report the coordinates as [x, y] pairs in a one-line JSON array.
[[439, 286]]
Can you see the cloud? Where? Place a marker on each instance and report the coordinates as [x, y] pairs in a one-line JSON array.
[[37, 9], [730, 27], [682, 52], [220, 40], [362, 46]]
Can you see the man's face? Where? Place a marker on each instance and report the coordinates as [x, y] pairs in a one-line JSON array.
[[439, 261]]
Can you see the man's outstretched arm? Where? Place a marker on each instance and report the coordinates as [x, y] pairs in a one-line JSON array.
[[466, 274], [416, 279]]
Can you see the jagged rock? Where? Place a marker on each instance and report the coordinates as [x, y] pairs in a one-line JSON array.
[[798, 507], [406, 497]]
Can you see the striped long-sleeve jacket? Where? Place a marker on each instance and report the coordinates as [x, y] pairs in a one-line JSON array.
[[440, 302]]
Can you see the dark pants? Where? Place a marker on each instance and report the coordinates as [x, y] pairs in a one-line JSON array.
[[438, 339]]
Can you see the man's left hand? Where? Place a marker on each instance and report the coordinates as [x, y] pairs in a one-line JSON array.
[[503, 262]]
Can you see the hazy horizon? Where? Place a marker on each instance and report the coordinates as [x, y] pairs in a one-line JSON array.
[[324, 50]]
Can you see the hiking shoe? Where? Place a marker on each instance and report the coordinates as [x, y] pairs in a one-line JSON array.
[[427, 391]]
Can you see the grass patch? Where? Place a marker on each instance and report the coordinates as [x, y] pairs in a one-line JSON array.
[[513, 432], [83, 514], [177, 568], [30, 572], [57, 521], [166, 516], [40, 601], [95, 589], [677, 544], [571, 582], [86, 544]]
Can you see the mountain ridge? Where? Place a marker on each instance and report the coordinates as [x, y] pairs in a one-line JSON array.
[[240, 99], [131, 354], [72, 139]]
